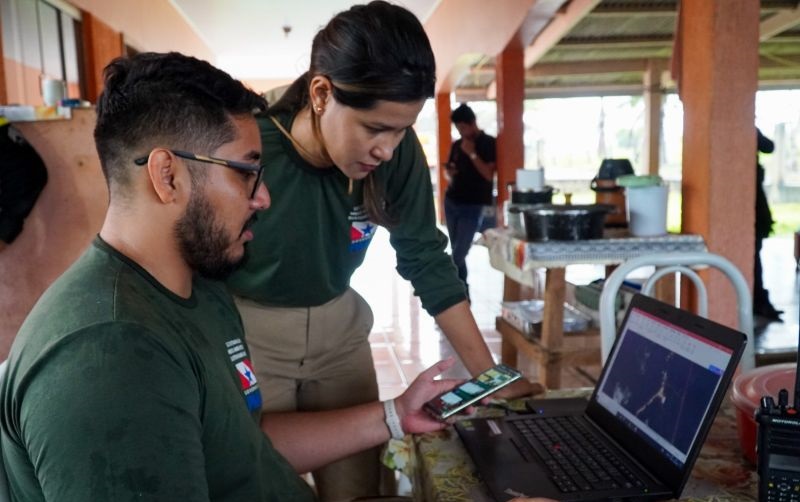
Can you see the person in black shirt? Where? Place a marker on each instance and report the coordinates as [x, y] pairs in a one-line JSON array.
[[761, 303], [470, 166]]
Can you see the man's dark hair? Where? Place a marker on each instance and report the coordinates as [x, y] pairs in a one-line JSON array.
[[463, 115], [165, 100]]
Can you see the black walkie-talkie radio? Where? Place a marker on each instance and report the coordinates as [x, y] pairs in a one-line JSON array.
[[778, 446]]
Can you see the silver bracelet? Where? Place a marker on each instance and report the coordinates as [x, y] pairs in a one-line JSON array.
[[392, 420]]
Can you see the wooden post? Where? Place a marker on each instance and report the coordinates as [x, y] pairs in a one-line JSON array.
[[445, 141], [653, 98]]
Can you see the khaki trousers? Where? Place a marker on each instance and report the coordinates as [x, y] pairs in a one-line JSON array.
[[318, 358]]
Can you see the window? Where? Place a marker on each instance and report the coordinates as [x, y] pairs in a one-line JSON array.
[[40, 39]]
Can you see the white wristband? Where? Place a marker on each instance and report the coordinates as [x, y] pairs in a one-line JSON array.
[[392, 420]]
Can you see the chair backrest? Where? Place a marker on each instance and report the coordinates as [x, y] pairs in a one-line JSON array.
[[671, 263], [5, 496]]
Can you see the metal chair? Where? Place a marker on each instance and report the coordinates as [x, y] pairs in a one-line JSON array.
[[668, 264]]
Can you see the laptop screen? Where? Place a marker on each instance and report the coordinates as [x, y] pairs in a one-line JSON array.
[[660, 382]]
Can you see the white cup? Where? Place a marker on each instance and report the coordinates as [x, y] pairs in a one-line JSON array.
[[53, 91], [647, 210], [530, 179]]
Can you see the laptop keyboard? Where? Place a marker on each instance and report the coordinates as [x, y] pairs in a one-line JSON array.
[[577, 460]]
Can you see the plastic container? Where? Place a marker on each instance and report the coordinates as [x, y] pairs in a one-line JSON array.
[[527, 315], [748, 388]]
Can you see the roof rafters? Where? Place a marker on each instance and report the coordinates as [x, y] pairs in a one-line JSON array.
[[557, 29], [780, 22]]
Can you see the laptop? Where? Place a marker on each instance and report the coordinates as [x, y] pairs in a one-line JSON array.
[[639, 434]]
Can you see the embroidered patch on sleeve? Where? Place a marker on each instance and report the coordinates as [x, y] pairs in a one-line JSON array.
[[361, 229], [247, 377]]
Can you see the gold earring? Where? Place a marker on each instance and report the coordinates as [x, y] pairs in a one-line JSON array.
[[318, 109]]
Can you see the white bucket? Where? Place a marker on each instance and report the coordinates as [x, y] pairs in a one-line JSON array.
[[647, 210]]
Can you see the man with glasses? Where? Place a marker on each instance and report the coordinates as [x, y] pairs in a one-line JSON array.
[[131, 379]]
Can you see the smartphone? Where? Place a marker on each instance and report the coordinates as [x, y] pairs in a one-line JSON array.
[[472, 391]]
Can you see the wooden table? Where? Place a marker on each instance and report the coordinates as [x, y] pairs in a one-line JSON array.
[[443, 471], [517, 259]]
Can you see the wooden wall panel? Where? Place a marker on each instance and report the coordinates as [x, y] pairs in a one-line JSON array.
[[101, 45]]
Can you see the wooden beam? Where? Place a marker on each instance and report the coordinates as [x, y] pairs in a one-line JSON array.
[[572, 91], [557, 29], [605, 66], [780, 22], [458, 27], [615, 42], [587, 67], [538, 17], [634, 9]]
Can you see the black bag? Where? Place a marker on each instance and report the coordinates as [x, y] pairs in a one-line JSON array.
[[22, 177]]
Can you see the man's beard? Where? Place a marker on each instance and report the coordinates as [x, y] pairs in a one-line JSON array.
[[203, 241]]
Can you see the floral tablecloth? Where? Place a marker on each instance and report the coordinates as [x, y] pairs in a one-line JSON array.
[[442, 471]]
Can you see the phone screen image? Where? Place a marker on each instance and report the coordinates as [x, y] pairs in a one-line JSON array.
[[472, 391]]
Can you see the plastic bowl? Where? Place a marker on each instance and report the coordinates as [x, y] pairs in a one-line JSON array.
[[558, 222], [748, 388]]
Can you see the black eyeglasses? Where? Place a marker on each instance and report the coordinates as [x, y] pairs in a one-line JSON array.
[[239, 166]]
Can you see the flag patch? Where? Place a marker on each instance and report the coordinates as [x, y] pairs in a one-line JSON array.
[[361, 229], [246, 375]]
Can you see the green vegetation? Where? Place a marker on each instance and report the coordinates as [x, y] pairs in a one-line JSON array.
[[787, 218]]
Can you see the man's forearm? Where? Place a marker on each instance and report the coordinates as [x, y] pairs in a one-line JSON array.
[[485, 169], [310, 440]]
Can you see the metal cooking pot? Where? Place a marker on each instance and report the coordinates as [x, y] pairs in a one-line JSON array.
[[543, 196], [557, 222]]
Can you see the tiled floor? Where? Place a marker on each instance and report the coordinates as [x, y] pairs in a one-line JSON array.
[[775, 339], [405, 338]]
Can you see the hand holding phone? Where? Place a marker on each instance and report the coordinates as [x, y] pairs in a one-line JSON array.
[[471, 391]]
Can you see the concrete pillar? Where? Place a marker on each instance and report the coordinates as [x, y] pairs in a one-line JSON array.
[[510, 73], [717, 83]]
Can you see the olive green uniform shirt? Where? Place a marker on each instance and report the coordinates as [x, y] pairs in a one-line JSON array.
[[119, 390], [315, 234]]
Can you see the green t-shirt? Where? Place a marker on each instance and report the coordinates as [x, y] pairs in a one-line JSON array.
[[117, 389], [314, 234]]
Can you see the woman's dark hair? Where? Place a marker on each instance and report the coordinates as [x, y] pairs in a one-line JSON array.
[[170, 100], [371, 52]]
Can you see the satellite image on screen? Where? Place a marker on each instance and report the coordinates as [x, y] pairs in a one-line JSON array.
[[653, 384]]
